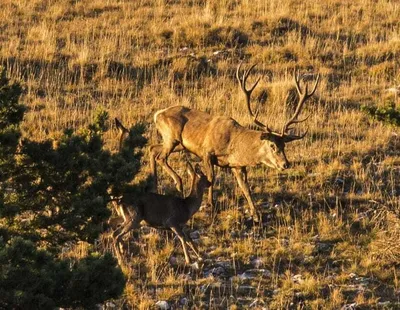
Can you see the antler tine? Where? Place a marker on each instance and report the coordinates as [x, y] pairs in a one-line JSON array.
[[304, 96], [242, 82]]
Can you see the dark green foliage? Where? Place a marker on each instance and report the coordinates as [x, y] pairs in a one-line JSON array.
[[92, 277], [11, 114], [53, 192], [29, 278], [388, 114], [33, 279]]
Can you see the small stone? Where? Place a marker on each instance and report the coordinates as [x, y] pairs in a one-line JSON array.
[[257, 262], [352, 306], [245, 289], [110, 305], [195, 234], [224, 264], [217, 271], [173, 261], [255, 273], [298, 278], [184, 301], [185, 277], [163, 305], [352, 275]]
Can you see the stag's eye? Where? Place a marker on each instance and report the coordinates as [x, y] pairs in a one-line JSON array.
[[273, 147]]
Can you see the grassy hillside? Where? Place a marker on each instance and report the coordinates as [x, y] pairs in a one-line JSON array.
[[331, 222]]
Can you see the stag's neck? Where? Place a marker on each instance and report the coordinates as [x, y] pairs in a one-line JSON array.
[[246, 149]]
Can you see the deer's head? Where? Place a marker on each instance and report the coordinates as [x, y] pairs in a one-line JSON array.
[[273, 146], [123, 132], [199, 179]]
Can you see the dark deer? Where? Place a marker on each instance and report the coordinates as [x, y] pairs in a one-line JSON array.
[[161, 211]]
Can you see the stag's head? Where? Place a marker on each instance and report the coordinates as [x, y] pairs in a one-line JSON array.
[[273, 147]]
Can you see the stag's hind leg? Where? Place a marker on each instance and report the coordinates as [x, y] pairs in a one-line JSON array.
[[160, 153], [209, 170]]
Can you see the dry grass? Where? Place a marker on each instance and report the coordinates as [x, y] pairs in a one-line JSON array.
[[331, 223]]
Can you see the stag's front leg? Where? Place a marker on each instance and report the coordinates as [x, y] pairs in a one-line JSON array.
[[209, 169], [242, 181]]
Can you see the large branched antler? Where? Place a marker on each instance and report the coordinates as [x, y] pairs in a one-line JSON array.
[[303, 97], [242, 82]]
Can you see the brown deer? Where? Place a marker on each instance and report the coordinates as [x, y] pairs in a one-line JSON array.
[[161, 211], [221, 141]]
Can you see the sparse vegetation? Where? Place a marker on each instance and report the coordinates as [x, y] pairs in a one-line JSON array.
[[330, 223]]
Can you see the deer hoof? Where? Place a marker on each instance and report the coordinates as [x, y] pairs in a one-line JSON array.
[[179, 187]]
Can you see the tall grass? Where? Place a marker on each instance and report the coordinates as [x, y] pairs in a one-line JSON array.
[[332, 216]]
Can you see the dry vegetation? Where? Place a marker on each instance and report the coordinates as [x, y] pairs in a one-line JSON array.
[[331, 223]]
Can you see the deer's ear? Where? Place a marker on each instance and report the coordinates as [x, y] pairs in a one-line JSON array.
[[119, 126], [198, 169]]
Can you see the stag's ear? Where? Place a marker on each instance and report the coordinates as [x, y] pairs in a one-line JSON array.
[[119, 126]]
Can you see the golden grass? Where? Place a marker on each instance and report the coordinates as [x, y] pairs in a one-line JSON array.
[[323, 217]]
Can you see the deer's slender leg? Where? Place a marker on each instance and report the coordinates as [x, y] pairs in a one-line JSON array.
[[193, 246], [178, 231], [122, 230], [245, 188]]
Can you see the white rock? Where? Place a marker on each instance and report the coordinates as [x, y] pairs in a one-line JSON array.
[[163, 305], [255, 273], [173, 261], [184, 301], [298, 278], [195, 234], [257, 262]]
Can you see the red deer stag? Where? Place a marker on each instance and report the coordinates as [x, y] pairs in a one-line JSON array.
[[221, 141]]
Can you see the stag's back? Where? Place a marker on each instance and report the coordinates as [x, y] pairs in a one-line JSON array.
[[197, 131]]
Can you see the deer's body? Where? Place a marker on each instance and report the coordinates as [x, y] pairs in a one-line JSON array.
[[160, 211], [227, 142], [221, 141]]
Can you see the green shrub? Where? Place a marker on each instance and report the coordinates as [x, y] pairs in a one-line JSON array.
[[53, 193], [388, 113]]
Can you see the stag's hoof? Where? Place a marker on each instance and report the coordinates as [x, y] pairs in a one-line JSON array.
[[179, 187]]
